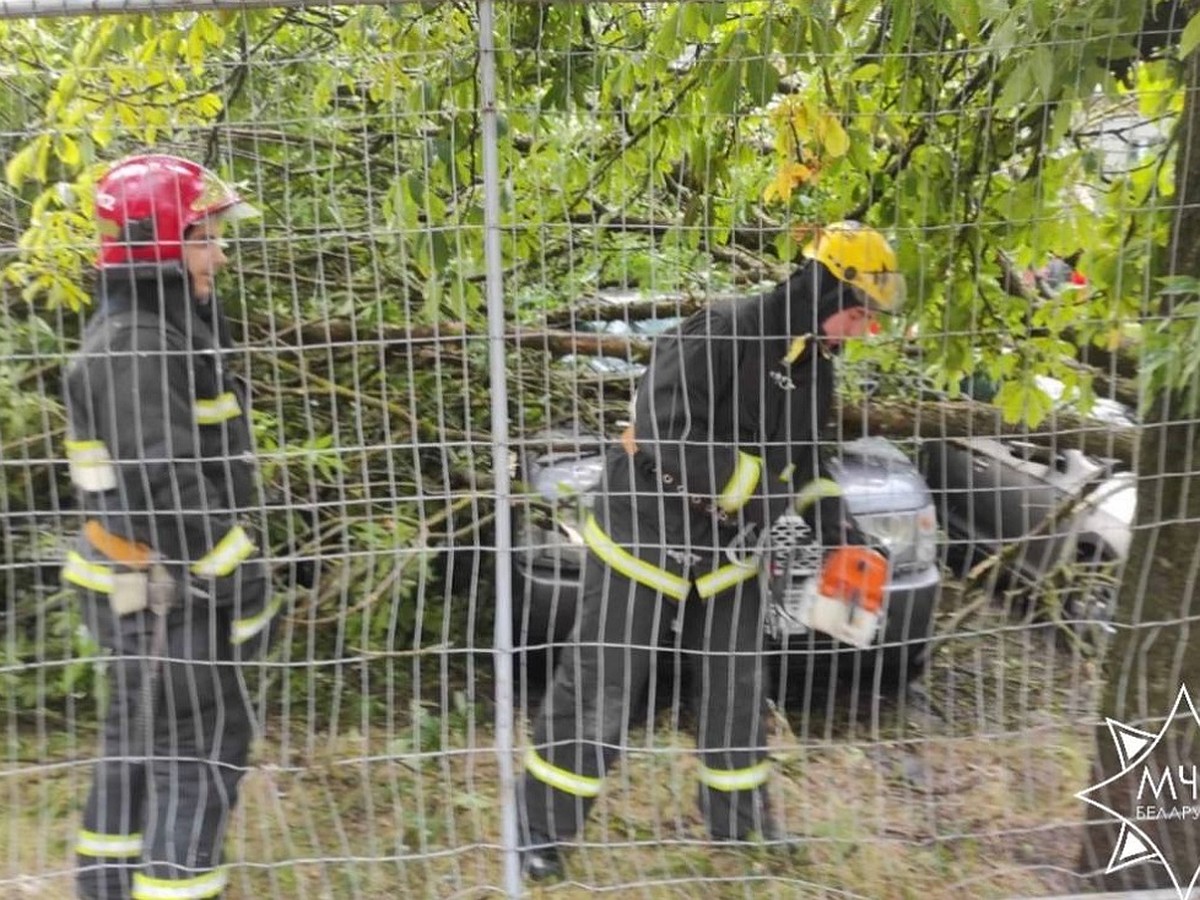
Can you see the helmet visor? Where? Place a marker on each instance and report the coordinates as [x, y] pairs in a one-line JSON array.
[[884, 292], [238, 211]]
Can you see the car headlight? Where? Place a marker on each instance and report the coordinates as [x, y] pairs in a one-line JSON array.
[[910, 538]]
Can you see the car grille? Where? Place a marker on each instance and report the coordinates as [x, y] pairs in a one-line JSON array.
[[794, 548]]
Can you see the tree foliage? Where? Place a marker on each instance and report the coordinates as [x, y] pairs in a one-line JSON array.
[[656, 146]]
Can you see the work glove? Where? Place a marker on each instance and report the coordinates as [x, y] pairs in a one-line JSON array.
[[845, 600]]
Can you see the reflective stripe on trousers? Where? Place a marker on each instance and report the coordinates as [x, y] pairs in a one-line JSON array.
[[197, 887], [746, 779], [563, 779], [108, 846]]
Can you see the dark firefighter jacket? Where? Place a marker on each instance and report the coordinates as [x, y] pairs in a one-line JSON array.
[[728, 419], [159, 444]]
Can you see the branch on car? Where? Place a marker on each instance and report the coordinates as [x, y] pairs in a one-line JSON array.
[[938, 419]]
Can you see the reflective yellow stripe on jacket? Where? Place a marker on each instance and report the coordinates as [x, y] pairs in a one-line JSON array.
[[229, 553], [91, 466], [244, 629], [722, 579], [110, 846], [87, 574], [742, 483], [736, 779], [566, 781], [631, 566], [200, 887], [218, 409]]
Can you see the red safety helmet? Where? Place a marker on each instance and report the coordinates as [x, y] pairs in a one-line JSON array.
[[145, 204]]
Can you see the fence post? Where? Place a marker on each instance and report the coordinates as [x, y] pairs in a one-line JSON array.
[[494, 291]]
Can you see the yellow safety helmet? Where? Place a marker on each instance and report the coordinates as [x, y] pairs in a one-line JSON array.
[[862, 257]]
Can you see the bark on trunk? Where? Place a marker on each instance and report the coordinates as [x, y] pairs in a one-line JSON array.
[[1159, 607]]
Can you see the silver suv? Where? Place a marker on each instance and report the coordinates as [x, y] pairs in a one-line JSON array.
[[883, 492]]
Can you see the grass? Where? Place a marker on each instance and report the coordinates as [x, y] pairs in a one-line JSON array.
[[969, 793]]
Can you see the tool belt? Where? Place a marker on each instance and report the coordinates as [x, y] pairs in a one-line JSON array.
[[142, 582]]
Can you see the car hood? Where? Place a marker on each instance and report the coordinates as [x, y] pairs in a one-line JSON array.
[[874, 474], [876, 477]]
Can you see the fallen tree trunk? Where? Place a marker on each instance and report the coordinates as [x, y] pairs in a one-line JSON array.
[[924, 420], [898, 419]]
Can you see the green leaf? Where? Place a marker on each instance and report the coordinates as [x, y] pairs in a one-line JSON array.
[[965, 16], [902, 25], [725, 91], [1190, 37], [66, 150], [208, 105], [1042, 65], [1017, 87], [762, 78], [1023, 402], [667, 37], [20, 165]]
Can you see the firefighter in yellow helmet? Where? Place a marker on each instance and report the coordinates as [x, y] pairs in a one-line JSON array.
[[861, 257], [727, 425]]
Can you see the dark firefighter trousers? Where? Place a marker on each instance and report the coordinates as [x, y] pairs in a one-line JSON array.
[[600, 682], [163, 787]]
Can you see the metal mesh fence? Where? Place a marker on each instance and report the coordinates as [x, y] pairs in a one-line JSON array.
[[450, 348]]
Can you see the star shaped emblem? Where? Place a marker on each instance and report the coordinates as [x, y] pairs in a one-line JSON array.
[[1154, 793]]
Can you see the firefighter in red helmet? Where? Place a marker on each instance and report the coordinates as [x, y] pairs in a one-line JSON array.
[[168, 564]]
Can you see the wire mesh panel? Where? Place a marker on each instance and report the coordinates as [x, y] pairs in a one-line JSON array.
[[480, 475]]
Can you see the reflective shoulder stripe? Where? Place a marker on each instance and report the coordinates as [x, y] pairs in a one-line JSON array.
[[201, 887], [742, 483], [229, 553], [567, 782], [91, 466], [218, 409], [87, 574], [816, 490], [112, 846], [244, 629], [736, 779], [629, 565], [724, 578]]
